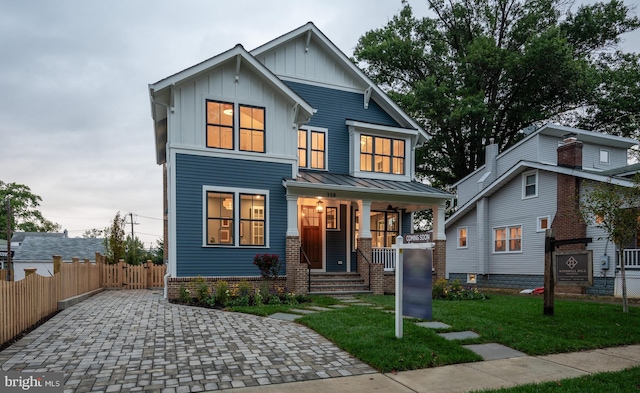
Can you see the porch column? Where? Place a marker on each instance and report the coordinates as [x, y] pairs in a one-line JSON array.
[[370, 272], [439, 238], [296, 270]]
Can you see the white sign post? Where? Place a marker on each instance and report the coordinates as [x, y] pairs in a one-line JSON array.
[[399, 247]]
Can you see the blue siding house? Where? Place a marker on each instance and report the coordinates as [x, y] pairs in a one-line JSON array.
[[287, 149]]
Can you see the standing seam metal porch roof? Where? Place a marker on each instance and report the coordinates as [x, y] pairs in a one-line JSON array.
[[340, 181]]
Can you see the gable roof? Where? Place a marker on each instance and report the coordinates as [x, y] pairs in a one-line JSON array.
[[309, 31], [522, 166], [20, 236], [43, 248], [161, 92]]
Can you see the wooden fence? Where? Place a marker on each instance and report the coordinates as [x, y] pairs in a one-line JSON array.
[[23, 303]]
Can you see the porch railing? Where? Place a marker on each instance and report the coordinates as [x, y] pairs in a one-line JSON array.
[[631, 258], [385, 256], [306, 260]]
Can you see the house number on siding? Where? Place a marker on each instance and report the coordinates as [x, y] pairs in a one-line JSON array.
[[331, 194]]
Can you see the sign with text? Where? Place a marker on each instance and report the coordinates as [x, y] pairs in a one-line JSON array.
[[422, 237], [416, 291], [573, 267]]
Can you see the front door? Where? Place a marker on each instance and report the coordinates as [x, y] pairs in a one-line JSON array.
[[311, 236]]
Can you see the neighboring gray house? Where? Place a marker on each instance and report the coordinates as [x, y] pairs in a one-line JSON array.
[[37, 252], [18, 237], [496, 236]]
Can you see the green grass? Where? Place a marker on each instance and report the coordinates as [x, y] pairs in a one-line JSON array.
[[369, 335], [626, 381]]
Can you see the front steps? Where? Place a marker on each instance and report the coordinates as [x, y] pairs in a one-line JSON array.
[[338, 284]]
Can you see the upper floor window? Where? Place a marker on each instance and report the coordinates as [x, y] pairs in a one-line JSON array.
[[312, 148], [221, 120], [507, 239], [383, 155], [530, 184], [604, 156]]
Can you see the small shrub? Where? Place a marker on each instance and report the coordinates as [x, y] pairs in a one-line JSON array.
[[269, 265], [184, 294], [211, 300], [438, 289], [240, 301], [442, 289], [202, 289], [303, 298], [258, 300], [274, 300], [223, 293], [290, 298], [244, 288]]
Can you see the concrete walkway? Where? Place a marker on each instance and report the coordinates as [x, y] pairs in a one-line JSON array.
[[126, 341]]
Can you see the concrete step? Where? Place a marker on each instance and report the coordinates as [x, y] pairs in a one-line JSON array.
[[331, 293]]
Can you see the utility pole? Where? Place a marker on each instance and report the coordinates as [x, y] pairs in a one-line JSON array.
[[9, 261], [131, 215]]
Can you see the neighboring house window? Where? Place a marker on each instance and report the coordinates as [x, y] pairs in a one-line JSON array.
[[384, 155], [235, 218], [221, 120], [530, 184], [604, 156], [462, 237], [251, 129], [312, 148], [220, 125], [544, 223], [507, 239], [384, 228]]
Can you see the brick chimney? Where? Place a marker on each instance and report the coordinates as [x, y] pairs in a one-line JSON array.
[[568, 222]]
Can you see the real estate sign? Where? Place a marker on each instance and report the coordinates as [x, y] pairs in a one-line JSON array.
[[573, 267], [416, 292]]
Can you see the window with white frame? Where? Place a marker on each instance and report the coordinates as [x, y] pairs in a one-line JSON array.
[[235, 217], [544, 223], [530, 184], [383, 155], [312, 148], [221, 121], [604, 156], [507, 239], [462, 237]]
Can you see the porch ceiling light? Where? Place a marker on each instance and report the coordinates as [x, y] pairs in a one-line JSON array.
[[320, 207]]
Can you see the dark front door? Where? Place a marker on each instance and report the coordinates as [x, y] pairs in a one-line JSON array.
[[311, 236]]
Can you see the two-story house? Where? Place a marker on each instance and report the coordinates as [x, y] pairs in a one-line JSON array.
[[288, 149], [497, 234]]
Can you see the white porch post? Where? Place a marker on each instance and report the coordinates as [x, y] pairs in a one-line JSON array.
[[438, 222], [364, 209], [292, 215]]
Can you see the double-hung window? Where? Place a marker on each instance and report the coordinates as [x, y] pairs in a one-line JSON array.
[[222, 119], [462, 237], [529, 184], [507, 239], [312, 148], [235, 217], [383, 155]]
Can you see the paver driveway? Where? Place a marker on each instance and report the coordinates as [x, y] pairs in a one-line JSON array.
[[136, 340]]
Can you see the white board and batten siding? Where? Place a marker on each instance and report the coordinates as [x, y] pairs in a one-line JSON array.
[[189, 117], [316, 64]]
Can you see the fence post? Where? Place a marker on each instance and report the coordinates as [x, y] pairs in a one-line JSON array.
[[57, 264], [29, 271], [149, 273]]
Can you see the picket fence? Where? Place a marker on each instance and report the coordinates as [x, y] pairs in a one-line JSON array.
[[23, 303]]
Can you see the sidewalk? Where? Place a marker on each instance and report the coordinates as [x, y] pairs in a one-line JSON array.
[[468, 377]]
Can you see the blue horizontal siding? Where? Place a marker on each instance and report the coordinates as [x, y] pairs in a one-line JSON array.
[[334, 107], [192, 173]]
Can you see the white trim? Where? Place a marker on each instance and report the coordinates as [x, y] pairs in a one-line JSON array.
[[354, 158], [507, 239], [539, 227], [172, 206], [525, 175], [608, 154], [236, 215], [466, 238]]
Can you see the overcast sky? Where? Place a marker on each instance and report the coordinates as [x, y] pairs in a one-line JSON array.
[[75, 122]]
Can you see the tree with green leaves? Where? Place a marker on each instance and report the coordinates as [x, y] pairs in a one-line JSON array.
[[615, 209], [114, 241], [24, 210], [481, 69]]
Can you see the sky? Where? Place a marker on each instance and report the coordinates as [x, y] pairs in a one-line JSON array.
[[75, 120]]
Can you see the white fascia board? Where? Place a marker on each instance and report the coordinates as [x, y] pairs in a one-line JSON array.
[[382, 98], [380, 128]]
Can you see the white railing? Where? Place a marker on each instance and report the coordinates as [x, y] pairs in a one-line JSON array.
[[631, 258], [386, 256]]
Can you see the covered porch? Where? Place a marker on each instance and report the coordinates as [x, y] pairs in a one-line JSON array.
[[342, 224]]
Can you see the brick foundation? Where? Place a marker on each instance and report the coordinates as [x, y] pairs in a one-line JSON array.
[[297, 272]]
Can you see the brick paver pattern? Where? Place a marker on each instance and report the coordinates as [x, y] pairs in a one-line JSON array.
[[126, 341]]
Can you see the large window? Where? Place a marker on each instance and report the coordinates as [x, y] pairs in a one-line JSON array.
[[384, 228], [384, 155], [312, 148], [221, 120], [507, 239], [235, 218]]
